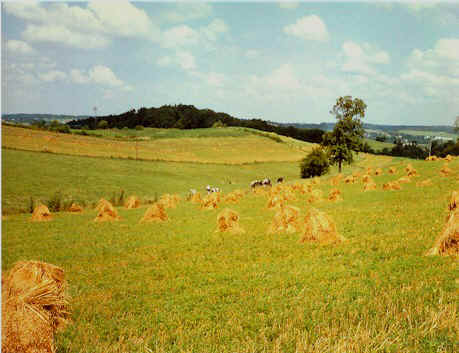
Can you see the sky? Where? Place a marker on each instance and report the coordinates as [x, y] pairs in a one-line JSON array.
[[278, 61]]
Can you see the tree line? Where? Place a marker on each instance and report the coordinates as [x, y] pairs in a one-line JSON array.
[[189, 117]]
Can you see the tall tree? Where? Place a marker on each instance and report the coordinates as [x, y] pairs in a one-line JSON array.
[[348, 132]]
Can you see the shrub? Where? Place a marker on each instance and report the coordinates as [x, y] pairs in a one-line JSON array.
[[55, 204], [103, 124], [314, 164], [139, 127]]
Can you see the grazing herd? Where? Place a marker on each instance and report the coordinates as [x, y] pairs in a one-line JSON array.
[[255, 183]]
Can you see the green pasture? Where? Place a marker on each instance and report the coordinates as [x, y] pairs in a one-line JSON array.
[[180, 286], [428, 133], [378, 145]]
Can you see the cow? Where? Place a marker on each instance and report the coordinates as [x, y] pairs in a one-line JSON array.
[[280, 180], [266, 182], [256, 183]]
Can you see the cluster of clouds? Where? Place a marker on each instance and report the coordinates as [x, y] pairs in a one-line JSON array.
[[98, 24]]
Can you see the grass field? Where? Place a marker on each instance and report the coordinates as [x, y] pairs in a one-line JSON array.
[[179, 286], [212, 149], [378, 145], [428, 133]]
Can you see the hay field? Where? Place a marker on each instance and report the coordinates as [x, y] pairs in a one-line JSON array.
[[220, 150], [180, 286]]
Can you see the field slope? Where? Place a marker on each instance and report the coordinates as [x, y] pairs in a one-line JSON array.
[[221, 146], [180, 286]]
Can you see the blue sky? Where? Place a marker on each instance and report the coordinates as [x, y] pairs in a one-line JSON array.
[[285, 62]]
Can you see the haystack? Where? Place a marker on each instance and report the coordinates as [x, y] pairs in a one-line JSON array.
[[336, 180], [41, 214], [431, 158], [334, 195], [155, 213], [275, 201], [35, 305], [408, 167], [320, 228], [103, 204], [367, 179], [404, 180], [369, 186], [448, 158], [169, 201], [285, 220], [106, 212], [412, 173], [445, 170], [315, 181], [132, 202], [447, 243], [349, 179], [196, 198], [426, 182], [75, 208], [210, 202], [228, 221], [378, 171], [454, 202], [316, 195], [392, 170], [369, 171], [356, 175], [392, 185]]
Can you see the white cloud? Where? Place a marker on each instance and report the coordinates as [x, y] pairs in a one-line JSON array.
[[52, 76], [65, 36], [252, 53], [280, 80], [288, 5], [362, 58], [181, 58], [179, 36], [309, 28], [99, 75], [187, 11], [213, 79], [19, 47], [216, 27], [88, 27]]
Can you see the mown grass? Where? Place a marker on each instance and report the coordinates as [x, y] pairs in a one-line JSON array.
[[216, 150], [378, 145], [40, 175], [181, 287]]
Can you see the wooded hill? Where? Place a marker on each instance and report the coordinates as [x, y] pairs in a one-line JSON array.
[[189, 117]]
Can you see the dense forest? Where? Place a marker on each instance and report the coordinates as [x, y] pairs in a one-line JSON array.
[[189, 117]]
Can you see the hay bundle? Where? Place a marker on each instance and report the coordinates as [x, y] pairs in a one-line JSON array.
[[447, 243], [445, 170], [169, 201], [210, 202], [132, 202], [316, 195], [285, 220], [369, 171], [369, 186], [320, 228], [367, 179], [155, 213], [232, 198], [103, 204], [334, 195], [275, 201], [392, 170], [196, 198], [106, 212], [356, 175], [412, 173], [35, 305], [404, 180], [431, 158], [315, 181], [75, 208], [408, 167], [349, 179], [378, 171], [448, 158], [228, 221], [392, 185], [454, 202], [41, 214], [336, 180], [426, 182]]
